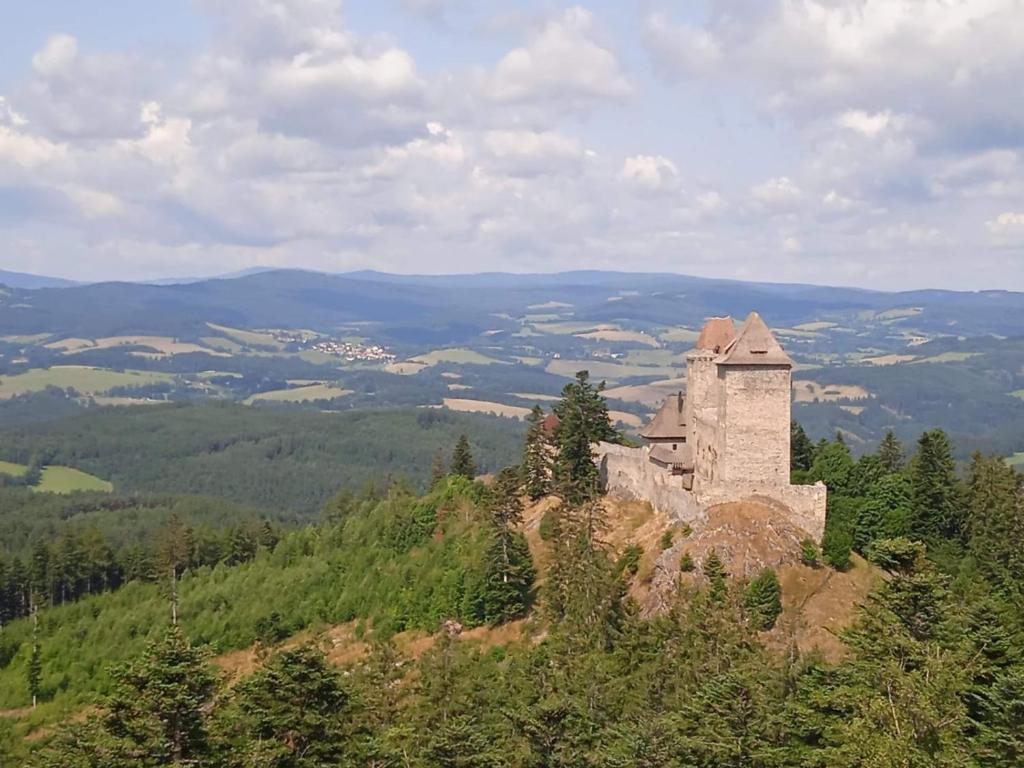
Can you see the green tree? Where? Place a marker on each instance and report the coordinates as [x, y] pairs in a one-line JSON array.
[[714, 572], [509, 572], [885, 512], [583, 421], [762, 600], [890, 453], [536, 465], [462, 464], [833, 465], [801, 449], [292, 713], [995, 520], [156, 714], [937, 506]]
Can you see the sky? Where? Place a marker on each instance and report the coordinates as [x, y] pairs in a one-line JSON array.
[[872, 143]]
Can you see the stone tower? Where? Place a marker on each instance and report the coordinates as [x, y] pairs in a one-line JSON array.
[[702, 395], [753, 379]]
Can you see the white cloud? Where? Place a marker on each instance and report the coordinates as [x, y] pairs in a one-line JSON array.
[[780, 192], [564, 61], [57, 57], [652, 173]]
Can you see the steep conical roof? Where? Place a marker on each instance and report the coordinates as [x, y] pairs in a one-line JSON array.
[[717, 334], [755, 344], [668, 421]]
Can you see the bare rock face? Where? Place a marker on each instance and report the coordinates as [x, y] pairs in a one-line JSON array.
[[748, 536]]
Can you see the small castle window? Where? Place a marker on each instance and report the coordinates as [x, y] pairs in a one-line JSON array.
[[674, 446]]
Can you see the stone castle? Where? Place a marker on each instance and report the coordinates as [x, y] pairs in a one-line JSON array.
[[726, 439]]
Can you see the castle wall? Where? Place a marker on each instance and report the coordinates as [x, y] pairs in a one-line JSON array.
[[628, 473], [804, 504], [754, 416]]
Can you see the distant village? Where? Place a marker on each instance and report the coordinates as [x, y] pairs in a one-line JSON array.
[[351, 351]]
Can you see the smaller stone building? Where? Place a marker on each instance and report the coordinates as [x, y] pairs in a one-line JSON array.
[[727, 438]]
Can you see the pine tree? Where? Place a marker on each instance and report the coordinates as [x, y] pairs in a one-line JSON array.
[[885, 512], [833, 465], [509, 571], [156, 714], [536, 466], [937, 508], [714, 572], [801, 449], [890, 452], [762, 600], [462, 464], [995, 520], [583, 421], [292, 712]]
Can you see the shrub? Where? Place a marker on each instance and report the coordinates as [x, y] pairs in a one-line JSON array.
[[629, 562], [548, 523], [666, 540], [810, 554], [686, 564]]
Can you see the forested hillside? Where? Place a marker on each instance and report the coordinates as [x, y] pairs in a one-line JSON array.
[[420, 630], [282, 460]]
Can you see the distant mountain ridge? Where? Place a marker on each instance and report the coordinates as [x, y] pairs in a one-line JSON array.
[[454, 307], [28, 281]]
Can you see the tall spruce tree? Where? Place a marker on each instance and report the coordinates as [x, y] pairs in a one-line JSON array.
[[583, 421], [937, 501], [156, 713], [462, 464], [536, 464], [995, 520], [292, 713], [509, 571], [890, 453], [801, 449]]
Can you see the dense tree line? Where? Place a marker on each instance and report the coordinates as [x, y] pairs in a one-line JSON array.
[[81, 562], [278, 460]]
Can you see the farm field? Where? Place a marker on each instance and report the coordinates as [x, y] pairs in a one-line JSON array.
[[811, 391], [317, 391], [83, 378], [947, 357], [1016, 460], [68, 480], [10, 468], [893, 359], [621, 336], [465, 405], [652, 394], [164, 345], [458, 355], [58, 479], [600, 369]]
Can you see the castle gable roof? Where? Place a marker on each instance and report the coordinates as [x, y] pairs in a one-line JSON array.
[[755, 344], [668, 421], [717, 334]]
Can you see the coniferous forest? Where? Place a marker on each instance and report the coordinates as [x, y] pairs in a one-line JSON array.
[[235, 637]]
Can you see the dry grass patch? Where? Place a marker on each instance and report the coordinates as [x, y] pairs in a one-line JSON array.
[[805, 391], [636, 337], [300, 394], [485, 406], [892, 359]]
